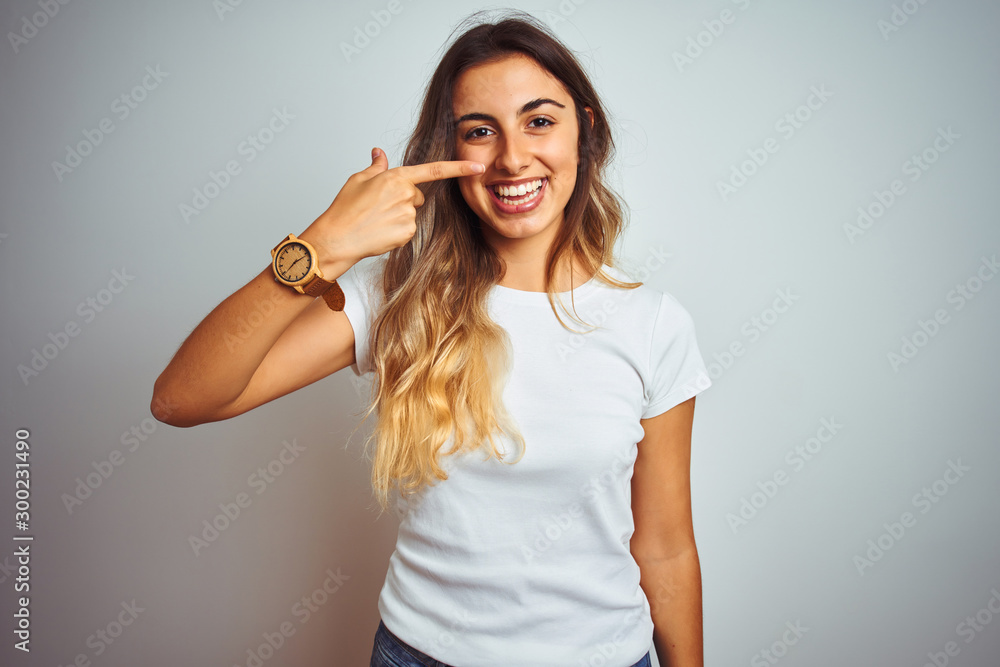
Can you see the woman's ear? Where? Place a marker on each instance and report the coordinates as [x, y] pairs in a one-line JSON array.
[[590, 112]]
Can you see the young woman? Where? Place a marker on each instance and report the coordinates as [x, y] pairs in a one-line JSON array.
[[534, 407]]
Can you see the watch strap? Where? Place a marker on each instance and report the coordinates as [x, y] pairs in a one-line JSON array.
[[317, 286], [330, 291], [334, 297]]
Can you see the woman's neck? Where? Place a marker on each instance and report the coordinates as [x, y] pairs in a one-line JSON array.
[[528, 274]]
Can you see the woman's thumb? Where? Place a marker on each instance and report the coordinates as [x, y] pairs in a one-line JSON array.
[[379, 160]]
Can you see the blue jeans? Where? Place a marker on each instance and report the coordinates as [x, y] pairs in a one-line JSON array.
[[391, 651]]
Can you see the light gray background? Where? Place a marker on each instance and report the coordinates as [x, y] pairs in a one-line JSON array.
[[680, 131]]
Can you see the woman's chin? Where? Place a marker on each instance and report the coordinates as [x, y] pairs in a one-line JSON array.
[[523, 229]]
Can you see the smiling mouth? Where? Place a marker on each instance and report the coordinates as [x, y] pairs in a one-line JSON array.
[[519, 195]]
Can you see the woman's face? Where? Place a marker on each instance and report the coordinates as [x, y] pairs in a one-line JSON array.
[[520, 121]]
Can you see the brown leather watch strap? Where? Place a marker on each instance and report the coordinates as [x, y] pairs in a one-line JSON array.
[[317, 286], [330, 291], [334, 297]]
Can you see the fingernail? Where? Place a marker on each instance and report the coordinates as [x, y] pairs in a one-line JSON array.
[[374, 153], [478, 168]]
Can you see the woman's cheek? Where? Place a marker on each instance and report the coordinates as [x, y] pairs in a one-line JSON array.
[[468, 190], [473, 154]]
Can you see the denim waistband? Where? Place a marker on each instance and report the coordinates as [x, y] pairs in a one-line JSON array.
[[400, 651]]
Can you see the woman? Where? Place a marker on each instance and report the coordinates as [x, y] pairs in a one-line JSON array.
[[540, 472]]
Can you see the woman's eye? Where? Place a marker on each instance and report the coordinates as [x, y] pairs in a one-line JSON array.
[[472, 133], [544, 120]]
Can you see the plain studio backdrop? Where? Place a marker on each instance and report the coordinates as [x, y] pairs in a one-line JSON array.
[[814, 181]]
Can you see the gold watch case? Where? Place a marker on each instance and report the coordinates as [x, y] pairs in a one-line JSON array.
[[294, 263]]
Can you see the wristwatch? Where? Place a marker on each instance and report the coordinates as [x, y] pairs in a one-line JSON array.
[[295, 264]]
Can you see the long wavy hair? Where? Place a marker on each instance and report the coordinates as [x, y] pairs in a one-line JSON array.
[[440, 361]]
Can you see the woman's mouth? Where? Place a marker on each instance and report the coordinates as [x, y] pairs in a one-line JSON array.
[[518, 199]]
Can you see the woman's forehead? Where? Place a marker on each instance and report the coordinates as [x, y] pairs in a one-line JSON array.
[[505, 84]]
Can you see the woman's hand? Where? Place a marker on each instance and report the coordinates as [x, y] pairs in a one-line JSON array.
[[376, 210]]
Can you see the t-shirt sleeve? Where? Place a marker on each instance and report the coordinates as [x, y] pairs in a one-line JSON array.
[[676, 369], [359, 285]]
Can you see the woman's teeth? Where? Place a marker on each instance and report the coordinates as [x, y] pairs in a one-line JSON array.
[[531, 189]]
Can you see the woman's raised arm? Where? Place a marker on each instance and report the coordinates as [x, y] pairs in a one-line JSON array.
[[227, 366]]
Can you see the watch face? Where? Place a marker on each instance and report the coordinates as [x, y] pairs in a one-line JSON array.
[[293, 262]]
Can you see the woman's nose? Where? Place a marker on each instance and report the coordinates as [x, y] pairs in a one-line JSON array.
[[514, 155]]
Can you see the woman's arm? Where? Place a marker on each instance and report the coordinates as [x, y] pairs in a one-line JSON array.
[[225, 368], [663, 543]]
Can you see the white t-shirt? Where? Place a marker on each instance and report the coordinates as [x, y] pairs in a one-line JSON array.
[[528, 563]]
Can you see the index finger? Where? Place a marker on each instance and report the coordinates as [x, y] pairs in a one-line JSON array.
[[436, 171]]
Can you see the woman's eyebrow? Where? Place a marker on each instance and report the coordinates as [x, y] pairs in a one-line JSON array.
[[530, 106]]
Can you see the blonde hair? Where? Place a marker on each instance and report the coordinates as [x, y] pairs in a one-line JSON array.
[[440, 361]]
